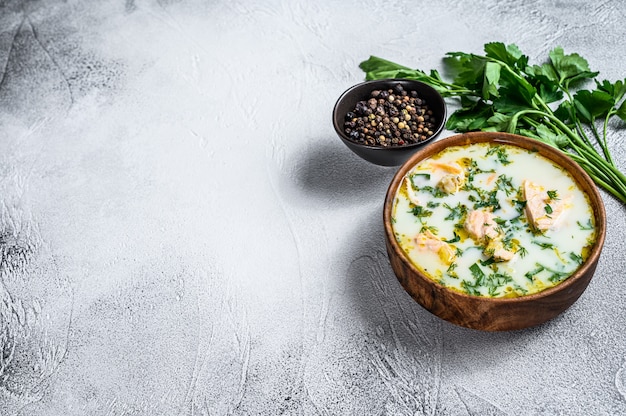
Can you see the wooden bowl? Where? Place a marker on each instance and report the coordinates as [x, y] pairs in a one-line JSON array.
[[484, 313], [395, 155]]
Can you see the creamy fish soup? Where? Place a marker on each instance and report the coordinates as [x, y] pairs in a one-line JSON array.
[[493, 220]]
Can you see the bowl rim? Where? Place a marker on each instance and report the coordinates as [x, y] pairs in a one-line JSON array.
[[591, 189], [440, 124]]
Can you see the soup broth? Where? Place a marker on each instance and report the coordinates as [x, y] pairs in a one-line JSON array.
[[493, 220]]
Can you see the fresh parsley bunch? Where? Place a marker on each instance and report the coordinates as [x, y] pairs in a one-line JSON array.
[[501, 91]]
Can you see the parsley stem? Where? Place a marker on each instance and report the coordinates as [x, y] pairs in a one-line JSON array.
[[606, 175], [605, 146], [616, 188], [574, 115], [603, 172], [602, 143], [500, 91]]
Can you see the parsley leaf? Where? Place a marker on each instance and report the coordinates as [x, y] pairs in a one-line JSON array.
[[504, 184], [500, 153], [587, 226], [501, 91], [457, 211], [420, 212]]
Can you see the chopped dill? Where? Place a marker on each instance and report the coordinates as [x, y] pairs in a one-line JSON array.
[[451, 270], [544, 246], [500, 153], [430, 228], [531, 274], [588, 226], [487, 199], [504, 184], [522, 251], [576, 257], [456, 239], [458, 211], [420, 212], [434, 191]]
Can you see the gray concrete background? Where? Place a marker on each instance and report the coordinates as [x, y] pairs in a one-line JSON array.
[[183, 234]]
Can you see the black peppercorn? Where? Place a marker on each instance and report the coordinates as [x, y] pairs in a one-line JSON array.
[[391, 117]]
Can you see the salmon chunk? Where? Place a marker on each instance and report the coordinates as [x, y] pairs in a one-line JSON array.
[[451, 183], [427, 241], [452, 168], [410, 192], [482, 227], [452, 176], [480, 224], [542, 210], [496, 249]]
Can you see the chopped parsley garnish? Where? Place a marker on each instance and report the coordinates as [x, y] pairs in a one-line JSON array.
[[544, 245], [496, 280], [504, 184], [487, 199], [458, 211], [555, 276], [499, 221], [519, 204], [487, 262], [493, 291], [500, 153], [424, 175], [588, 226], [492, 282], [434, 191], [430, 228], [529, 275], [474, 170], [420, 212], [451, 271], [576, 257], [522, 251], [477, 272], [456, 239], [471, 288], [520, 289]]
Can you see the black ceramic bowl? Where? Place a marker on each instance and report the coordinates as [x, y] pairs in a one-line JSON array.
[[392, 155]]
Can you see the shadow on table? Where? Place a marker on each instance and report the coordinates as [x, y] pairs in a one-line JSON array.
[[398, 323], [330, 173]]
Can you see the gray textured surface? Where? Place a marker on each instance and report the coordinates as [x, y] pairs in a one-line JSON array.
[[183, 234]]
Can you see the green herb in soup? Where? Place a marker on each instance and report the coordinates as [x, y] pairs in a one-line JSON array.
[[493, 220]]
